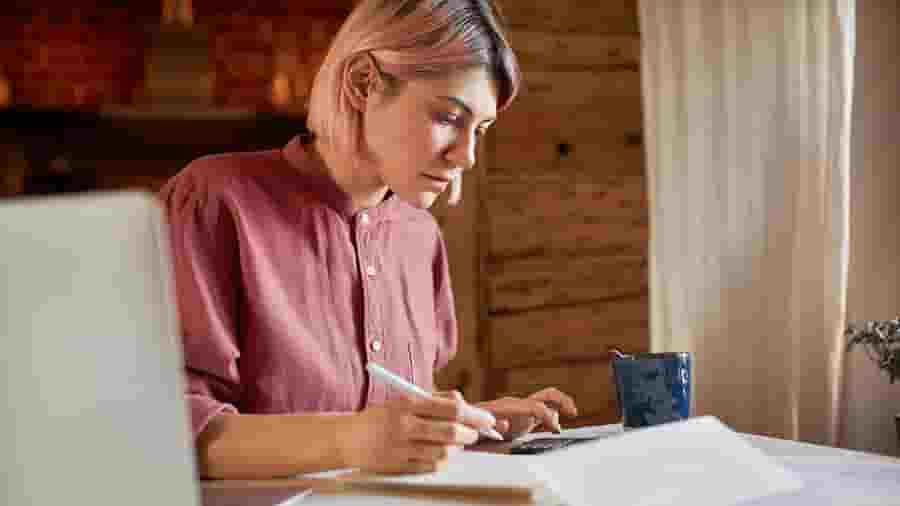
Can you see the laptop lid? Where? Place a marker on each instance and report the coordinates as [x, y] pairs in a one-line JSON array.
[[91, 363]]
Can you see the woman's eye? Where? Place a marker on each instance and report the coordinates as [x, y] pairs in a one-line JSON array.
[[448, 119]]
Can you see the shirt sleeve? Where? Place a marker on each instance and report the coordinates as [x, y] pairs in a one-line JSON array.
[[445, 310], [206, 269]]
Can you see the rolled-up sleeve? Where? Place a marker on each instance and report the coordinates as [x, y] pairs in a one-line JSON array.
[[207, 281]]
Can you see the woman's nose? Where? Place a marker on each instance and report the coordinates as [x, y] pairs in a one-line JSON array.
[[462, 153]]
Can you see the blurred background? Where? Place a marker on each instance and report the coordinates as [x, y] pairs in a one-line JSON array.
[[548, 248], [110, 94]]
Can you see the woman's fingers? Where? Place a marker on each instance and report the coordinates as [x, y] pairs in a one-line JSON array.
[[393, 437], [443, 432], [430, 442], [556, 399], [418, 435], [426, 452], [536, 409], [451, 406], [455, 395], [424, 466]]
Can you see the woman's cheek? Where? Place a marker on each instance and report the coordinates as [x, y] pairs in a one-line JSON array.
[[441, 139]]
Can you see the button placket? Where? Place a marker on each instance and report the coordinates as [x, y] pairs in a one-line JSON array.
[[374, 343]]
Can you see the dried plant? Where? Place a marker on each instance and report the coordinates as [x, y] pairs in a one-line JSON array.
[[881, 341]]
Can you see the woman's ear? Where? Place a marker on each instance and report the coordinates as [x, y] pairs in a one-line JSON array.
[[361, 79]]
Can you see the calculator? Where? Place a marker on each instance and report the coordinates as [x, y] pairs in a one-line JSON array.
[[541, 445]]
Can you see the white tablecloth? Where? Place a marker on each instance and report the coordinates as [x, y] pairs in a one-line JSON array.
[[833, 477]]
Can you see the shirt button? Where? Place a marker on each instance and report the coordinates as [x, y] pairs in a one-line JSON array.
[[363, 218], [370, 270], [375, 345]]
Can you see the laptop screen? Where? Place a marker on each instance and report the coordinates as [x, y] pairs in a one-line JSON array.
[[92, 366]]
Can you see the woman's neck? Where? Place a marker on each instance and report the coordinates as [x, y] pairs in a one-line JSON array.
[[357, 179]]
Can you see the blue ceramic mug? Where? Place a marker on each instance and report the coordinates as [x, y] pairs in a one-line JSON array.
[[653, 388]]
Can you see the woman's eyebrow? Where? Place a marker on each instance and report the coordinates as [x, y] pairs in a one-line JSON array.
[[461, 104]]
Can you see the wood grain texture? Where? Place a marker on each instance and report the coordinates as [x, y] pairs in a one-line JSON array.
[[553, 240], [579, 88], [535, 232], [591, 16], [556, 196], [589, 383], [598, 153], [533, 283], [554, 215], [580, 332], [594, 115], [586, 51]]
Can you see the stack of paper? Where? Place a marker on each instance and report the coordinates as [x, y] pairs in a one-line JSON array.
[[697, 461]]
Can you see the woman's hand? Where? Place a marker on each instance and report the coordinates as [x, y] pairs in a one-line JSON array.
[[408, 435], [517, 416]]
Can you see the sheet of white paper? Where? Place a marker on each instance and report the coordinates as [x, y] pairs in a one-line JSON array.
[[698, 461], [838, 481]]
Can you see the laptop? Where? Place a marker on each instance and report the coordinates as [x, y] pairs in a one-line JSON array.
[[91, 362]]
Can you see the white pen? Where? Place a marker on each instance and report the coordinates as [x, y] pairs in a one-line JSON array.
[[473, 411]]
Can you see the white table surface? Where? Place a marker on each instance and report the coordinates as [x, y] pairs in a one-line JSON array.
[[834, 477]]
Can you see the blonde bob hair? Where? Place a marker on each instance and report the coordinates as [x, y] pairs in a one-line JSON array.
[[408, 39]]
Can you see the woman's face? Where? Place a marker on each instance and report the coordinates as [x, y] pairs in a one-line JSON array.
[[427, 132]]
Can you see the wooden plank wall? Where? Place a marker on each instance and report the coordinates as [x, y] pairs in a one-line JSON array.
[[562, 220]]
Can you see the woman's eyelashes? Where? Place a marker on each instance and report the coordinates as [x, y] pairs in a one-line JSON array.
[[457, 121], [450, 119]]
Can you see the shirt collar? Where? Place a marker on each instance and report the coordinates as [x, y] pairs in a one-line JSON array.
[[326, 188]]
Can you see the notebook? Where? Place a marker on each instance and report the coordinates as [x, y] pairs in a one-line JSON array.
[[466, 472]]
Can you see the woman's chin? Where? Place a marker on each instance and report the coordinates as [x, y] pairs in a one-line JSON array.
[[422, 200]]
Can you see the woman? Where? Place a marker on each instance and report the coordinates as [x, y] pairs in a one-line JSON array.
[[296, 267]]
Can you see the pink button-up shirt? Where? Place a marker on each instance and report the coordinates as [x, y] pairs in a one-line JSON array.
[[285, 293]]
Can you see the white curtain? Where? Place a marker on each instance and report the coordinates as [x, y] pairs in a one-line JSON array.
[[747, 107], [873, 291]]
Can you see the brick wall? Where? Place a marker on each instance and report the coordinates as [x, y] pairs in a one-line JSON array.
[[72, 58], [88, 57], [67, 57], [251, 52]]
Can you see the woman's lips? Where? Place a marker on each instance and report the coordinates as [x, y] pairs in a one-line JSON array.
[[436, 183], [440, 179]]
